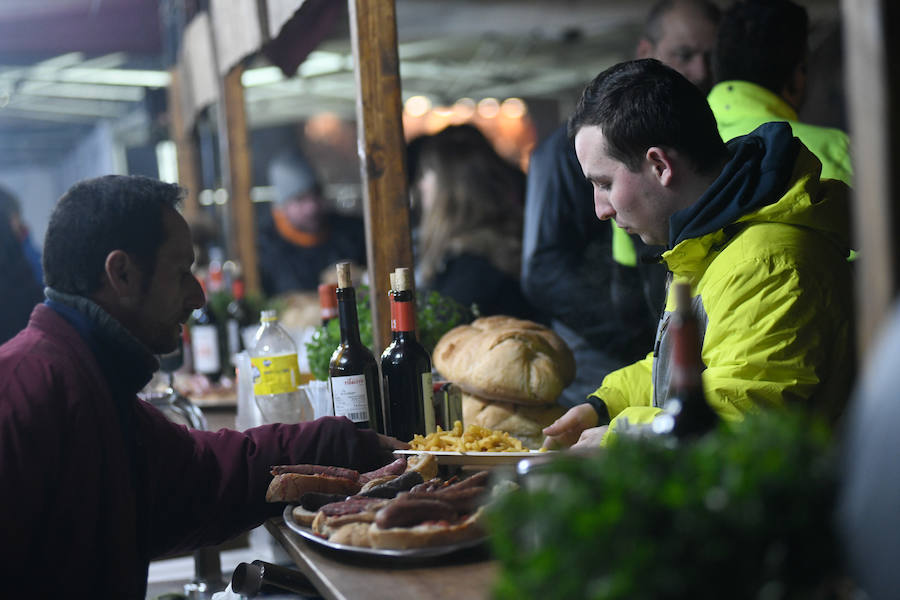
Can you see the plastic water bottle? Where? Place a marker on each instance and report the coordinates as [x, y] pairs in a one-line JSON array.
[[276, 374]]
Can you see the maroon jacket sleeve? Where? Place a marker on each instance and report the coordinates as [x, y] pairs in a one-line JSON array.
[[206, 487]]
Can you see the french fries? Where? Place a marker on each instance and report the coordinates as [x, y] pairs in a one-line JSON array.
[[474, 439]]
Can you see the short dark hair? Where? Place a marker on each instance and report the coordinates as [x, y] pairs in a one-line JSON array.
[[762, 42], [643, 103], [653, 23], [97, 216]]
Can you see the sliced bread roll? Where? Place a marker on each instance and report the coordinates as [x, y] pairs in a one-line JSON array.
[[506, 359], [518, 420]]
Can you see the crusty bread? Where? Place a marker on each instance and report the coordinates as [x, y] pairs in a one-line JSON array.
[[376, 482], [518, 420], [303, 516], [352, 534], [290, 487], [427, 534], [506, 359], [325, 525], [425, 464]]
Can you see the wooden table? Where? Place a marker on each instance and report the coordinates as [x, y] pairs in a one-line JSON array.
[[465, 574]]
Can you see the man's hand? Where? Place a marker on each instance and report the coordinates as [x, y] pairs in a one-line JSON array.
[[390, 443], [591, 438], [567, 429]]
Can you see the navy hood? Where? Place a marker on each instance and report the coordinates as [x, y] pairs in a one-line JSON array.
[[756, 175]]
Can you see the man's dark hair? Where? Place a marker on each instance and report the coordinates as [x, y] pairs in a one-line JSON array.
[[97, 216], [643, 103], [761, 41], [653, 24]]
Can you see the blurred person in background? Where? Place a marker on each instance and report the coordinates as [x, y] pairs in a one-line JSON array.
[[469, 239], [12, 210], [97, 483], [20, 290], [594, 281], [300, 237], [760, 66]]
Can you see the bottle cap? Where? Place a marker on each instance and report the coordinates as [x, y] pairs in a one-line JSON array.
[[267, 316]]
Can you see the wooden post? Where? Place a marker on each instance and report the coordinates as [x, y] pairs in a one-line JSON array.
[[873, 89], [382, 150], [185, 146], [239, 180]]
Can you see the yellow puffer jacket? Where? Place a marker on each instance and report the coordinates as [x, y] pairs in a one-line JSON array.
[[741, 106], [774, 292]]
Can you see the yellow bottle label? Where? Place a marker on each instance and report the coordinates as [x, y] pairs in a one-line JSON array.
[[275, 374]]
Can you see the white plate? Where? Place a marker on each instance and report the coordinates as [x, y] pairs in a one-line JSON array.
[[412, 553], [477, 459]]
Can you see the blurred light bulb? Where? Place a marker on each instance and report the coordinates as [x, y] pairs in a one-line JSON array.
[[513, 108], [417, 106], [488, 108]]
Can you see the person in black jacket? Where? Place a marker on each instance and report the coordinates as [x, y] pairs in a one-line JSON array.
[[299, 237], [21, 290], [469, 241]]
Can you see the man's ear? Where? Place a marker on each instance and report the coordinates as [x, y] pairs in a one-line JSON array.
[[660, 163], [644, 48], [794, 91], [123, 275]]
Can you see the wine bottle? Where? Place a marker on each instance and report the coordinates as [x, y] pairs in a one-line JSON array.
[[328, 306], [239, 318], [206, 350], [686, 412], [353, 371], [406, 368]]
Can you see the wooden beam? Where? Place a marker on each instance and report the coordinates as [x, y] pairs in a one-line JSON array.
[[873, 89], [185, 146], [382, 149], [240, 178]]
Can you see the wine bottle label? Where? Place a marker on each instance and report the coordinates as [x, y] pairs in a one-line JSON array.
[[205, 348], [428, 403], [275, 374], [349, 395]]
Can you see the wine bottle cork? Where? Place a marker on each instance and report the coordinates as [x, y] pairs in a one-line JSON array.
[[343, 275], [682, 296], [393, 281], [403, 277]]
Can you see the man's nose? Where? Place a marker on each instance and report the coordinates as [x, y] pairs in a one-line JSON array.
[[698, 70], [603, 209], [196, 298]]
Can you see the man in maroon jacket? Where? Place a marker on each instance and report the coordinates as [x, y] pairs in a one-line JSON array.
[[96, 483]]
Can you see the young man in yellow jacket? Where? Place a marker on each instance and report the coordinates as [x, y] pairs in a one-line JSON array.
[[760, 68], [761, 239]]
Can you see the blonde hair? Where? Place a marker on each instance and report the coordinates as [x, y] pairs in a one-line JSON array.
[[477, 208]]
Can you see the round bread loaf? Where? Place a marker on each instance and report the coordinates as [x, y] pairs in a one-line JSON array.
[[506, 359], [522, 422]]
